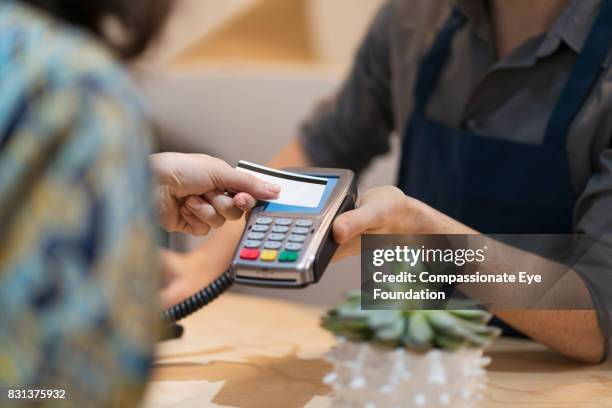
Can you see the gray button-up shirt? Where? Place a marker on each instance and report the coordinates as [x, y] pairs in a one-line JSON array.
[[510, 99]]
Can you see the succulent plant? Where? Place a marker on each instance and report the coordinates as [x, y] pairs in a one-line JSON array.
[[416, 330]]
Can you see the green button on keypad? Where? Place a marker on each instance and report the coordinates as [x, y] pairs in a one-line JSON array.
[[286, 256]]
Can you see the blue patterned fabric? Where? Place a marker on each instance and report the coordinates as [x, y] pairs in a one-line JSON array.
[[78, 267]]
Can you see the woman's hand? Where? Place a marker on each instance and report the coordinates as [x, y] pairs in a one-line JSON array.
[[190, 192], [387, 210]]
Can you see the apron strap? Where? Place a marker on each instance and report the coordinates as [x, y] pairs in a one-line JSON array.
[[583, 77], [435, 60]]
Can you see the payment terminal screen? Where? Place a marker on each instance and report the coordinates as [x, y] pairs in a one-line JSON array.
[[331, 184]]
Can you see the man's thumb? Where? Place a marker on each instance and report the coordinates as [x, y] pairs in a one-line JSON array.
[[351, 224]]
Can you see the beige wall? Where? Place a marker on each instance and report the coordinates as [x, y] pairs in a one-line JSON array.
[[197, 21]]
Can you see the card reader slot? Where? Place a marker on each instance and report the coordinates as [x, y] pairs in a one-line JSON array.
[[243, 278]]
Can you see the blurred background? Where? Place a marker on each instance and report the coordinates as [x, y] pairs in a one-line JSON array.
[[234, 79]]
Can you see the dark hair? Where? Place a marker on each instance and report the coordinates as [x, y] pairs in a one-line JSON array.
[[139, 20]]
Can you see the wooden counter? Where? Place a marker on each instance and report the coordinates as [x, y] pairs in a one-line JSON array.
[[251, 352]]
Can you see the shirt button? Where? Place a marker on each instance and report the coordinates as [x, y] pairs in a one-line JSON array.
[[473, 123]]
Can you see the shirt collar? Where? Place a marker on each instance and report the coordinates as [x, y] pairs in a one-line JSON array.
[[574, 24], [572, 27]]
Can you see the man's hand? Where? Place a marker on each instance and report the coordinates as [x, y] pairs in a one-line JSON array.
[[381, 210], [190, 192]]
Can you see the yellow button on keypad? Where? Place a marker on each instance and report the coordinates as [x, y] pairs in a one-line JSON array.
[[269, 255]]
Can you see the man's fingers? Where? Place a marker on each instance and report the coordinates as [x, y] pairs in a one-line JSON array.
[[352, 223], [245, 201], [196, 226], [205, 211], [223, 204], [377, 211]]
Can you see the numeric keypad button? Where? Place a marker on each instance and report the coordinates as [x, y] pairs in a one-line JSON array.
[[292, 246], [252, 244], [304, 223], [257, 235], [272, 245], [276, 237]]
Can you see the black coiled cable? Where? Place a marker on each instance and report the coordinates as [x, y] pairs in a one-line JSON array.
[[199, 300]]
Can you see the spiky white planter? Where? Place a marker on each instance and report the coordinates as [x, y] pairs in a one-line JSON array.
[[367, 376]]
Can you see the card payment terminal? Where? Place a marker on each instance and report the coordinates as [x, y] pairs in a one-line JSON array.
[[290, 246]]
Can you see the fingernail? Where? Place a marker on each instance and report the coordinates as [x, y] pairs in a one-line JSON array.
[[273, 188]]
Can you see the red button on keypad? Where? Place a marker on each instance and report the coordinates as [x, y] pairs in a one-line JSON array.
[[249, 254]]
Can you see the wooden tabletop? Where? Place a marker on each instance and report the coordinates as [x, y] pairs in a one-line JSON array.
[[252, 352]]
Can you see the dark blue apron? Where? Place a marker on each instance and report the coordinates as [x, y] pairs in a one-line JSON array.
[[492, 185]]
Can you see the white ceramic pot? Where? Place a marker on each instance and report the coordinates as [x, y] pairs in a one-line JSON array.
[[371, 377]]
